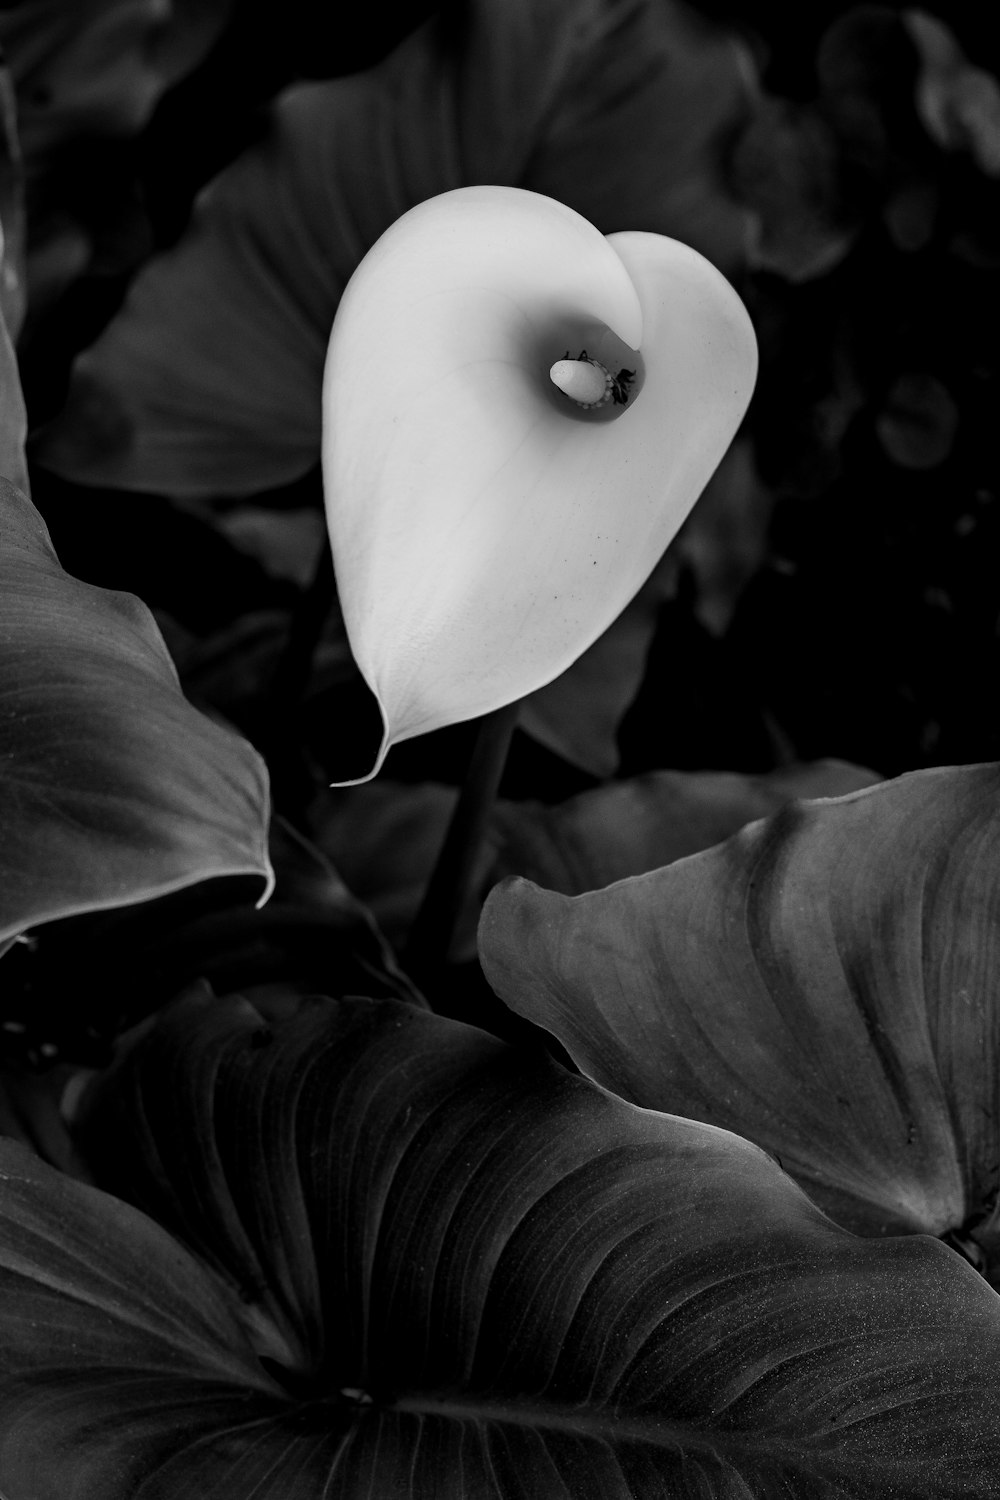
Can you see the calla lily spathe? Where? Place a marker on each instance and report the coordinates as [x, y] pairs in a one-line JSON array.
[[486, 527]]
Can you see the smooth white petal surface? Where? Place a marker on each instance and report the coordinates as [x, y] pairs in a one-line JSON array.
[[485, 529]]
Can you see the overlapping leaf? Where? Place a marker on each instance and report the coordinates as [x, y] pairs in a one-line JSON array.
[[214, 367], [104, 1313], [113, 789], [385, 837], [477, 1276], [825, 983], [628, 827]]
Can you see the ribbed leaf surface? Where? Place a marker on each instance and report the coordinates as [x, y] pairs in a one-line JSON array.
[[825, 983], [113, 789], [116, 1346], [480, 1276]]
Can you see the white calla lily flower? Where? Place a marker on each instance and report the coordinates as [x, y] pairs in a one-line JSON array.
[[519, 413]]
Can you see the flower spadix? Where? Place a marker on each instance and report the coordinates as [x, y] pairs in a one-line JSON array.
[[519, 412]]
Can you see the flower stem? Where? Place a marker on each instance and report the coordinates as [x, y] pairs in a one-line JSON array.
[[289, 778], [294, 666], [434, 926]]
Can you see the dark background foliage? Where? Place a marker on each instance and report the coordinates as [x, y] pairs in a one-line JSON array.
[[865, 623], [870, 631]]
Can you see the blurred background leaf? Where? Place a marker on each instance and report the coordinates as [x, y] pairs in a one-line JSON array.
[[208, 382], [629, 827], [88, 75]]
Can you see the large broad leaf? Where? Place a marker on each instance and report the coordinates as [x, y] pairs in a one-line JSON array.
[[825, 983], [384, 837], [208, 383], [113, 789], [477, 1276]]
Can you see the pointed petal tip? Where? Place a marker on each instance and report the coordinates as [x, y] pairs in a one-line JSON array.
[[386, 741]]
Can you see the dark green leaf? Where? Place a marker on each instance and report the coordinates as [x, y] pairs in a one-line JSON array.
[[483, 1277], [113, 788], [109, 1327], [825, 983]]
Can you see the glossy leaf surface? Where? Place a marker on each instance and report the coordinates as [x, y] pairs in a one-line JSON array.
[[824, 983], [480, 1276], [113, 789], [623, 112]]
